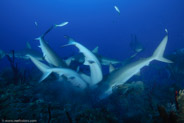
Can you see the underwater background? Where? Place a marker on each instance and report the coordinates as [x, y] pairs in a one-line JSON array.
[[155, 96]]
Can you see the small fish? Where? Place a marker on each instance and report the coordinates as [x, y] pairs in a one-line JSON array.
[[36, 23], [166, 30], [62, 24], [117, 9]]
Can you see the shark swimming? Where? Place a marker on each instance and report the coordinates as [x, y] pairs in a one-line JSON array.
[[90, 59], [72, 76], [22, 54], [103, 60], [124, 73], [135, 45], [48, 53]]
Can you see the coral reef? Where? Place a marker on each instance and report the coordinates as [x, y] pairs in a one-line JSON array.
[[180, 100], [95, 116], [137, 101]]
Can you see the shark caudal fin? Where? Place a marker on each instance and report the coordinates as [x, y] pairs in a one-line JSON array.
[[71, 41], [159, 52], [42, 67]]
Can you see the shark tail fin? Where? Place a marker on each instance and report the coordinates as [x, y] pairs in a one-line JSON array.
[[71, 41], [42, 67], [159, 52]]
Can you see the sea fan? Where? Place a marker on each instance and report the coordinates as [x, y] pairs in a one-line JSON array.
[[180, 100]]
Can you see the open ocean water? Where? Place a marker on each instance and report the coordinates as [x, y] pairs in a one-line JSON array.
[[92, 61]]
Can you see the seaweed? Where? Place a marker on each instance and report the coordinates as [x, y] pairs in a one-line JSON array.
[[68, 116], [49, 111], [14, 67], [167, 118], [17, 75]]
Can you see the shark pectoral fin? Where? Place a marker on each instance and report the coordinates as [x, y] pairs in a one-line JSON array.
[[111, 68], [106, 94], [45, 75]]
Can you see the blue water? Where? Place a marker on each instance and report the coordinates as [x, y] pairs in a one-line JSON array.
[[94, 23]]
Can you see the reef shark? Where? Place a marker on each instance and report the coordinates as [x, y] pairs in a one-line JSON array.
[[103, 60], [22, 54], [48, 53], [89, 59], [72, 76], [123, 74], [136, 45]]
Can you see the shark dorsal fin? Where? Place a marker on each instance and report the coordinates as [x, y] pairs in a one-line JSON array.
[[111, 68], [95, 50], [28, 45]]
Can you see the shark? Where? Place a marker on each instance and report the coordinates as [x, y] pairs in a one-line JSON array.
[[48, 53], [135, 45], [89, 59], [123, 74], [103, 60], [72, 76], [22, 54]]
